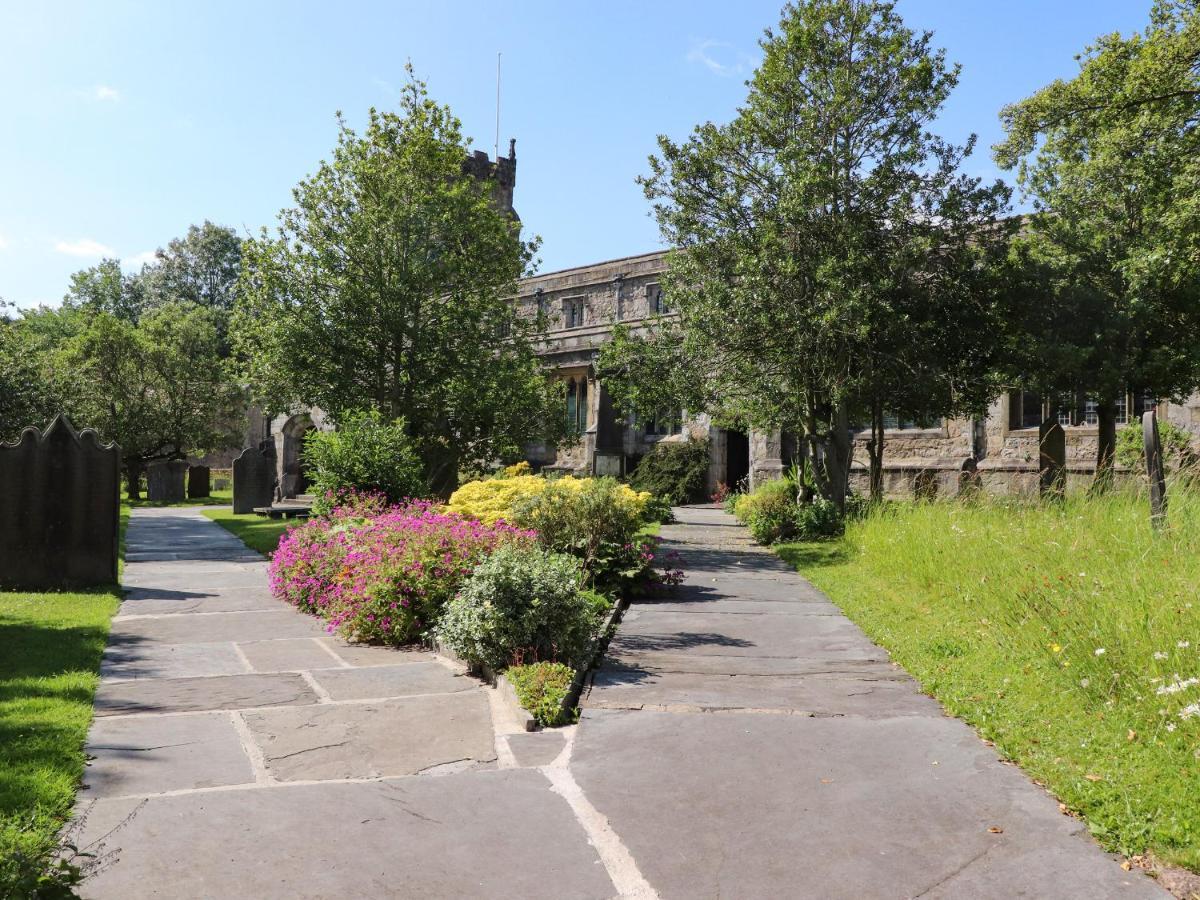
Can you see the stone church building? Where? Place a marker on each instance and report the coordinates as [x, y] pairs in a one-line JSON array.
[[582, 305]]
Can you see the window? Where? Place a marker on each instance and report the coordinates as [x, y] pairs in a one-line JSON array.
[[1026, 409], [577, 405], [655, 302], [663, 424], [574, 312], [891, 422]]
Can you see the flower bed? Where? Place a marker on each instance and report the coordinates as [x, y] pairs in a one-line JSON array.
[[385, 577]]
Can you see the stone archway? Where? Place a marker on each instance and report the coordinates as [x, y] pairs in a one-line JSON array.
[[293, 477]]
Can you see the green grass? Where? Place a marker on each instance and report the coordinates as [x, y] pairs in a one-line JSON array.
[[256, 532], [49, 667], [1067, 634], [218, 498]]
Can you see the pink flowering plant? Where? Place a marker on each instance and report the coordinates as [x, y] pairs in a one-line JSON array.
[[384, 576]]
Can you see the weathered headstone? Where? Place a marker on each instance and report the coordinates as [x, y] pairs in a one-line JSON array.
[[60, 514], [253, 479], [969, 482], [1052, 459], [1154, 469], [164, 481], [198, 482], [925, 485]]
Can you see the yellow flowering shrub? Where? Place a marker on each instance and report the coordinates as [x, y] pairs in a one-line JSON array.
[[495, 498], [521, 468]]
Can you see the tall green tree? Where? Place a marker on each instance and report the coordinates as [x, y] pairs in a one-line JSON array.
[[26, 397], [828, 248], [202, 267], [157, 387], [105, 287], [1111, 162], [389, 287]]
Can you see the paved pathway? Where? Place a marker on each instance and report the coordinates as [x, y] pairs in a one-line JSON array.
[[743, 739]]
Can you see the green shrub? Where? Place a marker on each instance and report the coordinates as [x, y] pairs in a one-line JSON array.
[[521, 603], [773, 515], [541, 688], [1176, 446], [366, 455], [676, 471], [818, 519], [594, 521], [769, 511], [658, 509]]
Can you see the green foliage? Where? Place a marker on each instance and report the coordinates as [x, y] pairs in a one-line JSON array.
[[1177, 446], [521, 602], [674, 471], [772, 514], [158, 386], [1059, 631], [830, 253], [364, 455], [390, 286], [594, 521], [26, 396], [1111, 261], [541, 688], [769, 511]]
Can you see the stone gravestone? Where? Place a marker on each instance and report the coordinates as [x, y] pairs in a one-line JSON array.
[[198, 482], [253, 479], [970, 484], [164, 481], [1052, 459], [60, 515], [1154, 468]]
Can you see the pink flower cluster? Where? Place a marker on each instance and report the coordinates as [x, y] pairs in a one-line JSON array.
[[383, 577]]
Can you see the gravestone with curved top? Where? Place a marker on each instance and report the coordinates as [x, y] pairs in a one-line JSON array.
[[1052, 459], [1152, 444], [60, 515], [253, 479], [164, 481]]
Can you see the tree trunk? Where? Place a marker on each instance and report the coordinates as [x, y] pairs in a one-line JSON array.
[[133, 479], [837, 462], [875, 450], [1106, 445]]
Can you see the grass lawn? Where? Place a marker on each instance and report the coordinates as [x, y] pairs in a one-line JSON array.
[[218, 498], [256, 532], [1067, 634], [49, 668]]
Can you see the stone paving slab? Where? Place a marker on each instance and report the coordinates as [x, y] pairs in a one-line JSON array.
[[160, 601], [770, 806], [701, 634], [681, 662], [730, 606], [153, 754], [143, 659], [477, 835], [206, 575], [287, 654], [175, 695], [392, 681], [369, 740], [820, 695], [366, 655], [217, 627], [536, 748]]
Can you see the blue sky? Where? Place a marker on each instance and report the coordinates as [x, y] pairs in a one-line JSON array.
[[121, 123]]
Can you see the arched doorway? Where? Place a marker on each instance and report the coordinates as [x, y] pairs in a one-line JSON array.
[[293, 476], [737, 459]]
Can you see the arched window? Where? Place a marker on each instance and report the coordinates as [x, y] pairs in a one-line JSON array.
[[572, 407], [581, 422]]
